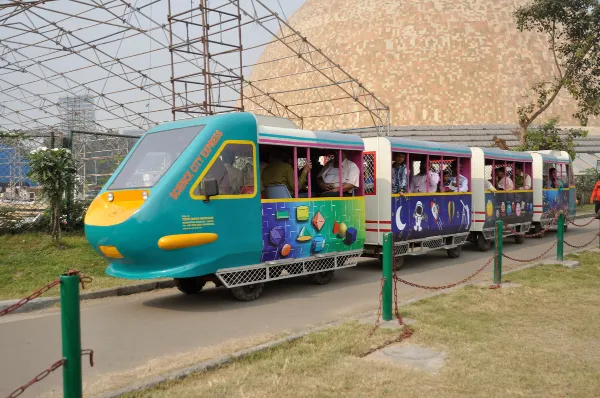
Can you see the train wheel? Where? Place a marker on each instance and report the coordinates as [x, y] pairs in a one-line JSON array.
[[248, 292], [537, 229], [483, 244], [519, 239], [321, 278], [399, 261], [189, 285], [454, 252]]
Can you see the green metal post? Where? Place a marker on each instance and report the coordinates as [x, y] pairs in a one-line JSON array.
[[71, 336], [498, 250], [388, 247], [561, 236]]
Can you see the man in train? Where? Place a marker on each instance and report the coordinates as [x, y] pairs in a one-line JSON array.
[[399, 174], [522, 179], [503, 182], [279, 171], [329, 177], [418, 183], [450, 183]]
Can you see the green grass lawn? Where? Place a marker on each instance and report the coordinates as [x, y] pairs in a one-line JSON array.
[[585, 209], [541, 339], [30, 260]]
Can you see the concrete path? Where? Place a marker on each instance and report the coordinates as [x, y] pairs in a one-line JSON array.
[[127, 332]]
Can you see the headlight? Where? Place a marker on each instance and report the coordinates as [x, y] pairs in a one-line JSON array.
[[144, 195], [110, 197]]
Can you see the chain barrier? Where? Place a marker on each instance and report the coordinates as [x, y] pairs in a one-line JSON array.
[[379, 309], [406, 331], [83, 280], [47, 372], [594, 218], [531, 259], [42, 290], [582, 246], [442, 287]]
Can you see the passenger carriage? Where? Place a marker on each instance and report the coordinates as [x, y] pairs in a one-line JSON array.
[[554, 188], [502, 190], [423, 213], [187, 203]]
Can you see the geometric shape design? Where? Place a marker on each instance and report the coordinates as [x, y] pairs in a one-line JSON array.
[[342, 230], [277, 236], [302, 213], [286, 249], [318, 243], [318, 221], [336, 228], [283, 214], [304, 235], [351, 234]]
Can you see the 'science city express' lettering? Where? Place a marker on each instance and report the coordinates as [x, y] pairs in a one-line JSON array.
[[195, 166]]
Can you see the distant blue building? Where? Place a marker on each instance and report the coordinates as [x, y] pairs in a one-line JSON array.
[[13, 168]]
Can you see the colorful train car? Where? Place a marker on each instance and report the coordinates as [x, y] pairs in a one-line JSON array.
[[188, 203], [502, 190], [554, 188], [421, 193]]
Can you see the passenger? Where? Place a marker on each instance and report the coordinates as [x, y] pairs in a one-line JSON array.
[[522, 180], [503, 182], [418, 183], [239, 179], [399, 174], [280, 171], [553, 181], [489, 186], [329, 177], [450, 183]]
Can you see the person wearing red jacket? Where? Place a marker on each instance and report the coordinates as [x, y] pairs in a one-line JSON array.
[[595, 198]]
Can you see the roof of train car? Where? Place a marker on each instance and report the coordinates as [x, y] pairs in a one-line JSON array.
[[404, 144], [492, 153], [548, 156], [274, 135]]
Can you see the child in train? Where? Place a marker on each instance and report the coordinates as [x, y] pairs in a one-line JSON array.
[[399, 173], [450, 182]]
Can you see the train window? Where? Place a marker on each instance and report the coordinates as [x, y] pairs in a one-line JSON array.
[[233, 168], [400, 168], [552, 178], [154, 155], [454, 177], [523, 179], [370, 173], [424, 176]]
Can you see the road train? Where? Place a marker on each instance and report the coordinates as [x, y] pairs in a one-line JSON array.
[[189, 201]]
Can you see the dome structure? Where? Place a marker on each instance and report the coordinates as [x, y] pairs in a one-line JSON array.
[[433, 62]]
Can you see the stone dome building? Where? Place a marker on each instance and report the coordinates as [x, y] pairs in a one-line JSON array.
[[434, 62]]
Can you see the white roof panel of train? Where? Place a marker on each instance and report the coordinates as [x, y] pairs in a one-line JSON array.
[[553, 156], [427, 147], [306, 138], [491, 153]]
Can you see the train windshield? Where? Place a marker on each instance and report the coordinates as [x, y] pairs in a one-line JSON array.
[[153, 157]]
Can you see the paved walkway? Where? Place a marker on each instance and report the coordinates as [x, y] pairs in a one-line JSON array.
[[127, 332]]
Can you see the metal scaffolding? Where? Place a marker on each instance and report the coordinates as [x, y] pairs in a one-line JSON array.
[[138, 63]]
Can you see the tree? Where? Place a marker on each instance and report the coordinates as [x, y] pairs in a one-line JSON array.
[[573, 31], [585, 184], [548, 136], [54, 170]]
